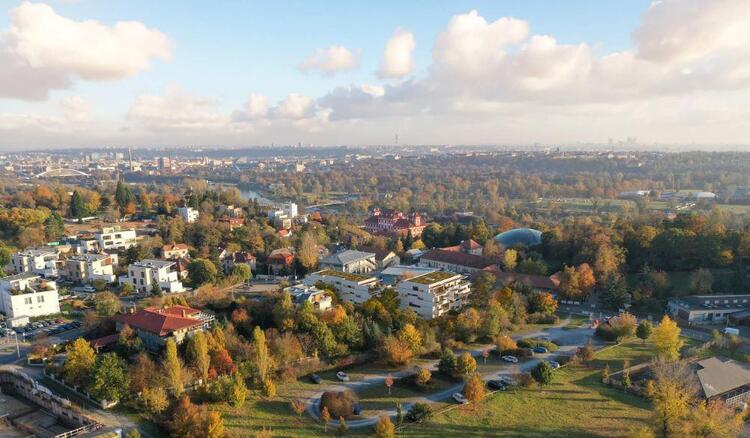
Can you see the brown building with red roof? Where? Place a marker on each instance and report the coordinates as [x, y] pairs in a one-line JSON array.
[[395, 223], [280, 260], [466, 246], [154, 326]]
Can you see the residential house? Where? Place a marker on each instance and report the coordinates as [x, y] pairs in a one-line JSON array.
[[145, 273], [394, 223], [85, 268], [434, 294], [28, 295], [300, 293], [188, 214], [39, 261], [174, 251], [355, 288], [239, 258], [467, 247], [280, 260], [383, 257], [232, 222], [115, 238], [155, 326], [351, 261]]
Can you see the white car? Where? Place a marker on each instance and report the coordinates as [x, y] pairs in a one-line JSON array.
[[342, 376], [460, 398], [511, 359], [552, 364], [507, 380]]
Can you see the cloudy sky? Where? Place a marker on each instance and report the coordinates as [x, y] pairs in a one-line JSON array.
[[139, 72]]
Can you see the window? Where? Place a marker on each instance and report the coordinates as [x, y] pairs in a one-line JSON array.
[[40, 299], [27, 300], [414, 288]]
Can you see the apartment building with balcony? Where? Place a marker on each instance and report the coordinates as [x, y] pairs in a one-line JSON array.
[[39, 261], [29, 295], [354, 288], [145, 273], [434, 294]]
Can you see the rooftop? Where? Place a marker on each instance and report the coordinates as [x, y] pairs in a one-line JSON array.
[[154, 263], [21, 276], [347, 256], [523, 236], [161, 322], [717, 376], [714, 302], [458, 258], [433, 277], [344, 275]]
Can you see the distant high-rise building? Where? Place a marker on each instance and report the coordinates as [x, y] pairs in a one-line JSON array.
[[165, 163]]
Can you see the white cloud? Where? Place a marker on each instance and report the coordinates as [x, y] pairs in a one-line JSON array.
[[295, 106], [75, 108], [256, 108], [42, 51], [331, 60], [398, 59], [177, 110]]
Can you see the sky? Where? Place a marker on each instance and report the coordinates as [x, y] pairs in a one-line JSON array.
[[86, 73]]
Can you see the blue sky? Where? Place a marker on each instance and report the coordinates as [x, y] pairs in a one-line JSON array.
[[223, 51]]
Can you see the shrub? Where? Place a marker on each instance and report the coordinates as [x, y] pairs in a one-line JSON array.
[[542, 318], [525, 380], [339, 404], [423, 376], [531, 343], [419, 412]]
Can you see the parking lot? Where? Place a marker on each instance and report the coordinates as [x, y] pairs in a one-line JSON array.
[[39, 329]]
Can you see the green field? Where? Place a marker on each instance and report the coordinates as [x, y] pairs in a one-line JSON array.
[[575, 405]]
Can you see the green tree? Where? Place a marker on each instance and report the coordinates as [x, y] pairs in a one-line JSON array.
[[542, 374], [466, 365], [261, 359], [447, 363], [106, 303], [202, 271], [110, 378], [173, 368], [283, 312], [78, 207], [644, 330], [242, 272], [123, 195]]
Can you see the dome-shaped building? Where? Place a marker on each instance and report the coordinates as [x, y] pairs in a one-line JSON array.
[[524, 236]]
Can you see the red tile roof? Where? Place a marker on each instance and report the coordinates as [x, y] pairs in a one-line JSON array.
[[161, 322], [104, 341], [458, 258]]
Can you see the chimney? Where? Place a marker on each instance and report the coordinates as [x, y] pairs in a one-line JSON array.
[[184, 313]]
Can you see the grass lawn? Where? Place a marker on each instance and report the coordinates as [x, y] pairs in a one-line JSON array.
[[575, 405]]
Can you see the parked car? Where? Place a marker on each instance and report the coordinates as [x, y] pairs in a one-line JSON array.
[[357, 409], [540, 349], [552, 364], [497, 384], [460, 398], [507, 380], [77, 323], [511, 359], [342, 376], [59, 321], [88, 289], [315, 379]]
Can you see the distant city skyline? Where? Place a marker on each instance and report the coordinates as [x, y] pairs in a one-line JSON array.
[[148, 74]]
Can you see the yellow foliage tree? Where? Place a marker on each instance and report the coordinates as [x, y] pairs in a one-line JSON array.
[[666, 339]]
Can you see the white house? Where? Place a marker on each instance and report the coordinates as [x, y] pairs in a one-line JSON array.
[[301, 293], [28, 295], [188, 214], [433, 294], [85, 268], [351, 287], [40, 261], [115, 238], [143, 274]]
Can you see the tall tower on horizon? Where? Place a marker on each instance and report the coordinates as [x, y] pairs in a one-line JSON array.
[[130, 158]]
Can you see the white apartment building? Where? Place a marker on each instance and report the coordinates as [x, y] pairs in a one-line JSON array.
[[433, 294], [318, 298], [354, 288], [352, 261], [143, 274], [287, 209], [115, 238], [28, 295], [39, 261], [188, 214], [86, 268]]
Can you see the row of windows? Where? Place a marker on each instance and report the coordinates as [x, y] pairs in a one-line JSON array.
[[29, 300]]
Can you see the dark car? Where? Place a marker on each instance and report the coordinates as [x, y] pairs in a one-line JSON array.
[[540, 349], [496, 384], [76, 323], [357, 409], [315, 379]]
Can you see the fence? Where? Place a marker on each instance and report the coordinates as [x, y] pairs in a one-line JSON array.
[[104, 404]]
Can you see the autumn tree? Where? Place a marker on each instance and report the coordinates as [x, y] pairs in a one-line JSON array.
[[396, 352], [714, 419], [173, 368], [81, 359], [325, 418], [411, 337], [465, 365], [666, 339], [505, 342], [510, 259], [384, 428], [542, 302], [423, 376], [283, 312], [106, 303], [474, 389], [672, 393], [212, 425], [298, 406], [198, 353], [185, 420], [307, 254]]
